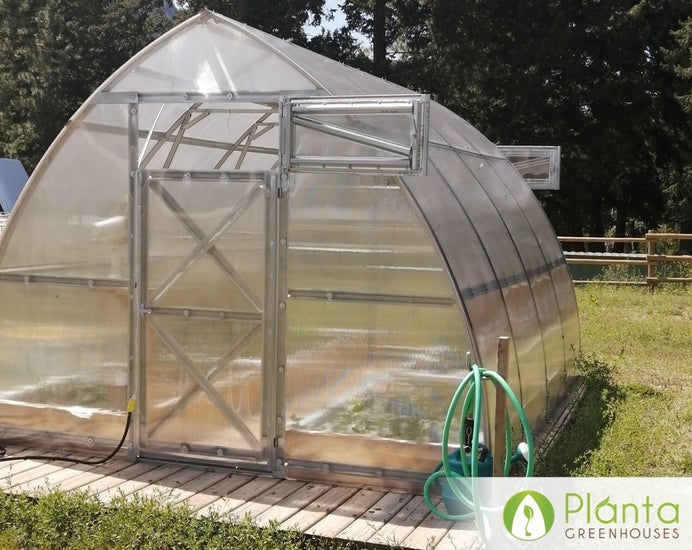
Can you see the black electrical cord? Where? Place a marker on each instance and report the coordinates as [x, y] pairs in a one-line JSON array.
[[130, 409]]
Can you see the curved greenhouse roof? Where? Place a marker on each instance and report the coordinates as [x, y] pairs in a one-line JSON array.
[[286, 260]]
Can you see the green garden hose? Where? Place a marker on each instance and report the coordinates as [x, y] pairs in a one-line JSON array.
[[471, 389]]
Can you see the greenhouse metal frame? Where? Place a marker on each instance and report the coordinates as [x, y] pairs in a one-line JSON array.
[[288, 263]]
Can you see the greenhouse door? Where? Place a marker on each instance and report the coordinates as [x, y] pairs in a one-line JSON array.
[[208, 316]]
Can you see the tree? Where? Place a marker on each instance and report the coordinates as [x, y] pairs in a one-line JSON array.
[[283, 18], [678, 188], [584, 74], [53, 54], [392, 28]]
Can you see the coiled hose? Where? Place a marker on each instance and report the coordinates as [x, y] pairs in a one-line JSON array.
[[473, 383]]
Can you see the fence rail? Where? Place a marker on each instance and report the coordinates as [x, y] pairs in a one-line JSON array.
[[651, 261]]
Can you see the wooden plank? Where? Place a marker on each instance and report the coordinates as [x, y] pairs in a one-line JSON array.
[[231, 482], [428, 534], [197, 485], [98, 472], [226, 504], [106, 482], [499, 444], [55, 479], [292, 504], [462, 536], [13, 450], [375, 517], [319, 508], [347, 513], [36, 469], [131, 486], [11, 468], [164, 489], [403, 523], [269, 498], [368, 515], [11, 462]]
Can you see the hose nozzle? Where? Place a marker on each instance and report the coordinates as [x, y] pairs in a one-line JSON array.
[[522, 453]]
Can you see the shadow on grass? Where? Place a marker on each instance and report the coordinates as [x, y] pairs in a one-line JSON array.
[[570, 453]]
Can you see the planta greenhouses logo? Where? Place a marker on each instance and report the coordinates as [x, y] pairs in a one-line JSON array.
[[528, 515]]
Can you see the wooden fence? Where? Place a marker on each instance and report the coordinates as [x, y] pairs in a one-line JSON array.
[[655, 265]]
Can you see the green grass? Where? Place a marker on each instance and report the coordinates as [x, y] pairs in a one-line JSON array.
[[636, 416], [78, 521]]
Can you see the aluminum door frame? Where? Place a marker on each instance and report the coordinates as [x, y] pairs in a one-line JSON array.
[[270, 456]]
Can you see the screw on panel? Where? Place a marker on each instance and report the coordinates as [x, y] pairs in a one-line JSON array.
[[184, 448]]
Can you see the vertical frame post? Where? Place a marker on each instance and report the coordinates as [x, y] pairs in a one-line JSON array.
[[272, 418], [134, 285], [499, 446]]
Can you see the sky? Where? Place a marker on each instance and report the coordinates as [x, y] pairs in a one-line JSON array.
[[339, 18]]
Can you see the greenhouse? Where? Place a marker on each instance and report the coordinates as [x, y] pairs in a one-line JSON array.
[[288, 263]]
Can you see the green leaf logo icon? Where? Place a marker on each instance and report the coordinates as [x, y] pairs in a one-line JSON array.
[[528, 515]]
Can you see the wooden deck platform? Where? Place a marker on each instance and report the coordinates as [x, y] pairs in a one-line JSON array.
[[367, 515]]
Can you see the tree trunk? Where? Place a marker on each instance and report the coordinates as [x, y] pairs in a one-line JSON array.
[[241, 7], [620, 226], [379, 45]]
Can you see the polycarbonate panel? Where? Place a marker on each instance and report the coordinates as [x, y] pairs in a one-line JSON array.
[[448, 129], [210, 54], [374, 330], [380, 372], [183, 217], [513, 234], [72, 221], [180, 411], [360, 235], [558, 315], [197, 135], [63, 359]]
